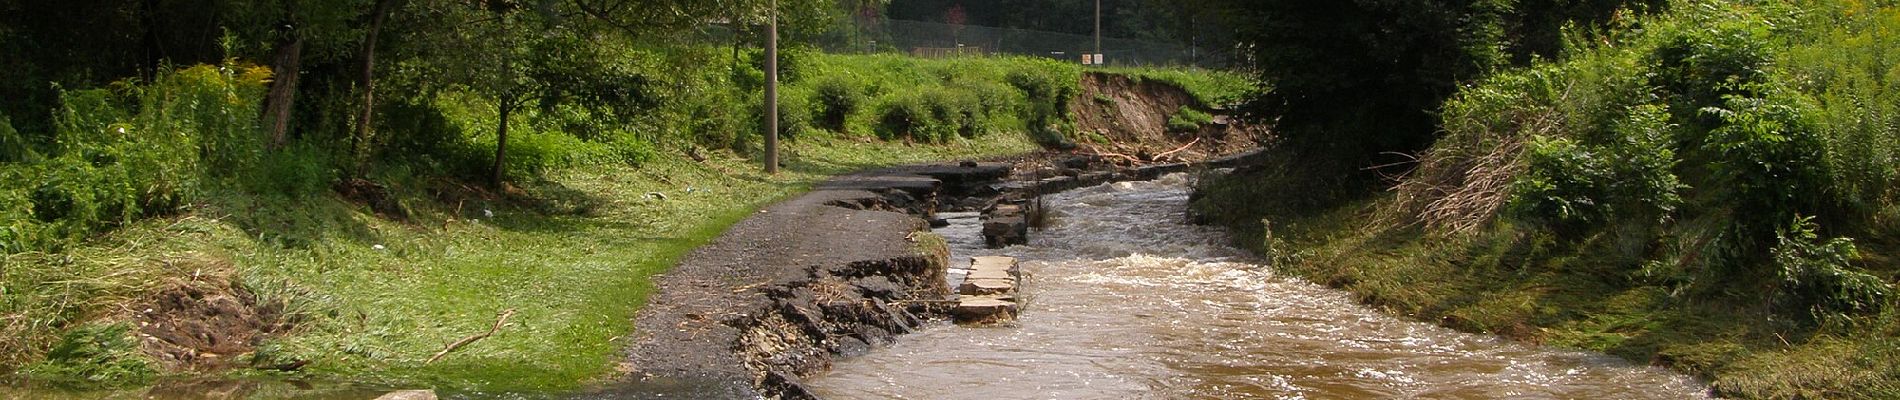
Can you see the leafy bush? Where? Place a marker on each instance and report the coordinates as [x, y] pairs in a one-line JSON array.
[[1049, 90], [1697, 68], [904, 117], [1627, 176], [838, 99], [955, 113], [1764, 160], [1563, 185], [1817, 275], [794, 114], [298, 171], [138, 150]]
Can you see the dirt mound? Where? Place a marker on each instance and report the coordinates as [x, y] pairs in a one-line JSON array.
[[1131, 115], [205, 323], [373, 195]]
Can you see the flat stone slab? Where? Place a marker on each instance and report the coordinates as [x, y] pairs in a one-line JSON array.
[[983, 310], [986, 286], [990, 274], [988, 291], [993, 267]]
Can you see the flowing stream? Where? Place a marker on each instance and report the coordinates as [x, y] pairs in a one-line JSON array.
[[1126, 300]]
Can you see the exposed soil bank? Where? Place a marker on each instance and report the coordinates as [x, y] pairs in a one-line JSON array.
[[1131, 115], [779, 294]]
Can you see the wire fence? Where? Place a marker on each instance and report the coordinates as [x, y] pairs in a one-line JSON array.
[[938, 40], [929, 39]]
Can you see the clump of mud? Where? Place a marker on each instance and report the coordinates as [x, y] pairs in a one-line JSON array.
[[206, 323]]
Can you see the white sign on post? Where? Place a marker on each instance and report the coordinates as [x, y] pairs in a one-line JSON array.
[[1099, 60]]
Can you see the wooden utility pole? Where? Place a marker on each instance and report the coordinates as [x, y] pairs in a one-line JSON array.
[[1098, 32], [771, 93]]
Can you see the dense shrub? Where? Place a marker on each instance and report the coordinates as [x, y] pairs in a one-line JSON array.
[[1764, 160], [1049, 92], [1817, 276], [794, 114], [1696, 68], [837, 99], [904, 117], [137, 150], [1563, 185], [1690, 145]]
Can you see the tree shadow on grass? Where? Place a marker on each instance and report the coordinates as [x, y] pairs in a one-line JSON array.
[[294, 222]]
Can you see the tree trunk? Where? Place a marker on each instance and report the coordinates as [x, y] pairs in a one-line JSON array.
[[501, 140], [154, 52], [367, 79], [283, 89]]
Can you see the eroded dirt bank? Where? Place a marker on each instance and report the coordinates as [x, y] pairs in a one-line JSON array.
[[781, 293]]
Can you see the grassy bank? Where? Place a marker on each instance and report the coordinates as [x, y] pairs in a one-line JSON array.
[[1710, 188], [571, 253], [159, 200]]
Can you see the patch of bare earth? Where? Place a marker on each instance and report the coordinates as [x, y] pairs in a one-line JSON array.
[[206, 322], [1133, 116]]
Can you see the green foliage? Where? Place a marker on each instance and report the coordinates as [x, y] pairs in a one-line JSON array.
[[794, 114], [1212, 88], [1818, 275], [1697, 68], [902, 116], [937, 101], [13, 147], [138, 150], [1622, 175], [1049, 90], [1563, 185], [1765, 160], [94, 356], [1188, 119], [1712, 187], [837, 99]]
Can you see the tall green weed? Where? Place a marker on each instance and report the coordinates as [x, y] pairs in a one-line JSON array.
[[134, 150]]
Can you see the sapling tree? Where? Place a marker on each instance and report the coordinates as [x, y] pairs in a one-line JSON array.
[[527, 54]]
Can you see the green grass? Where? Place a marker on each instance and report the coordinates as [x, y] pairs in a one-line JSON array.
[[1213, 88], [1188, 120]]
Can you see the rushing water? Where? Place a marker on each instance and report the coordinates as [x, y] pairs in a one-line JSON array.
[[1125, 300]]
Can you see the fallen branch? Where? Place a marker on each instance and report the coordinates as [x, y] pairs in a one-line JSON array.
[[471, 339], [1177, 150], [1099, 154]]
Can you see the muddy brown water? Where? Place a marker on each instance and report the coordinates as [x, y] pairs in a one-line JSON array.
[[1126, 300]]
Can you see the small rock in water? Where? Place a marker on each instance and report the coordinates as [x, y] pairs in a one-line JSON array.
[[408, 395]]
